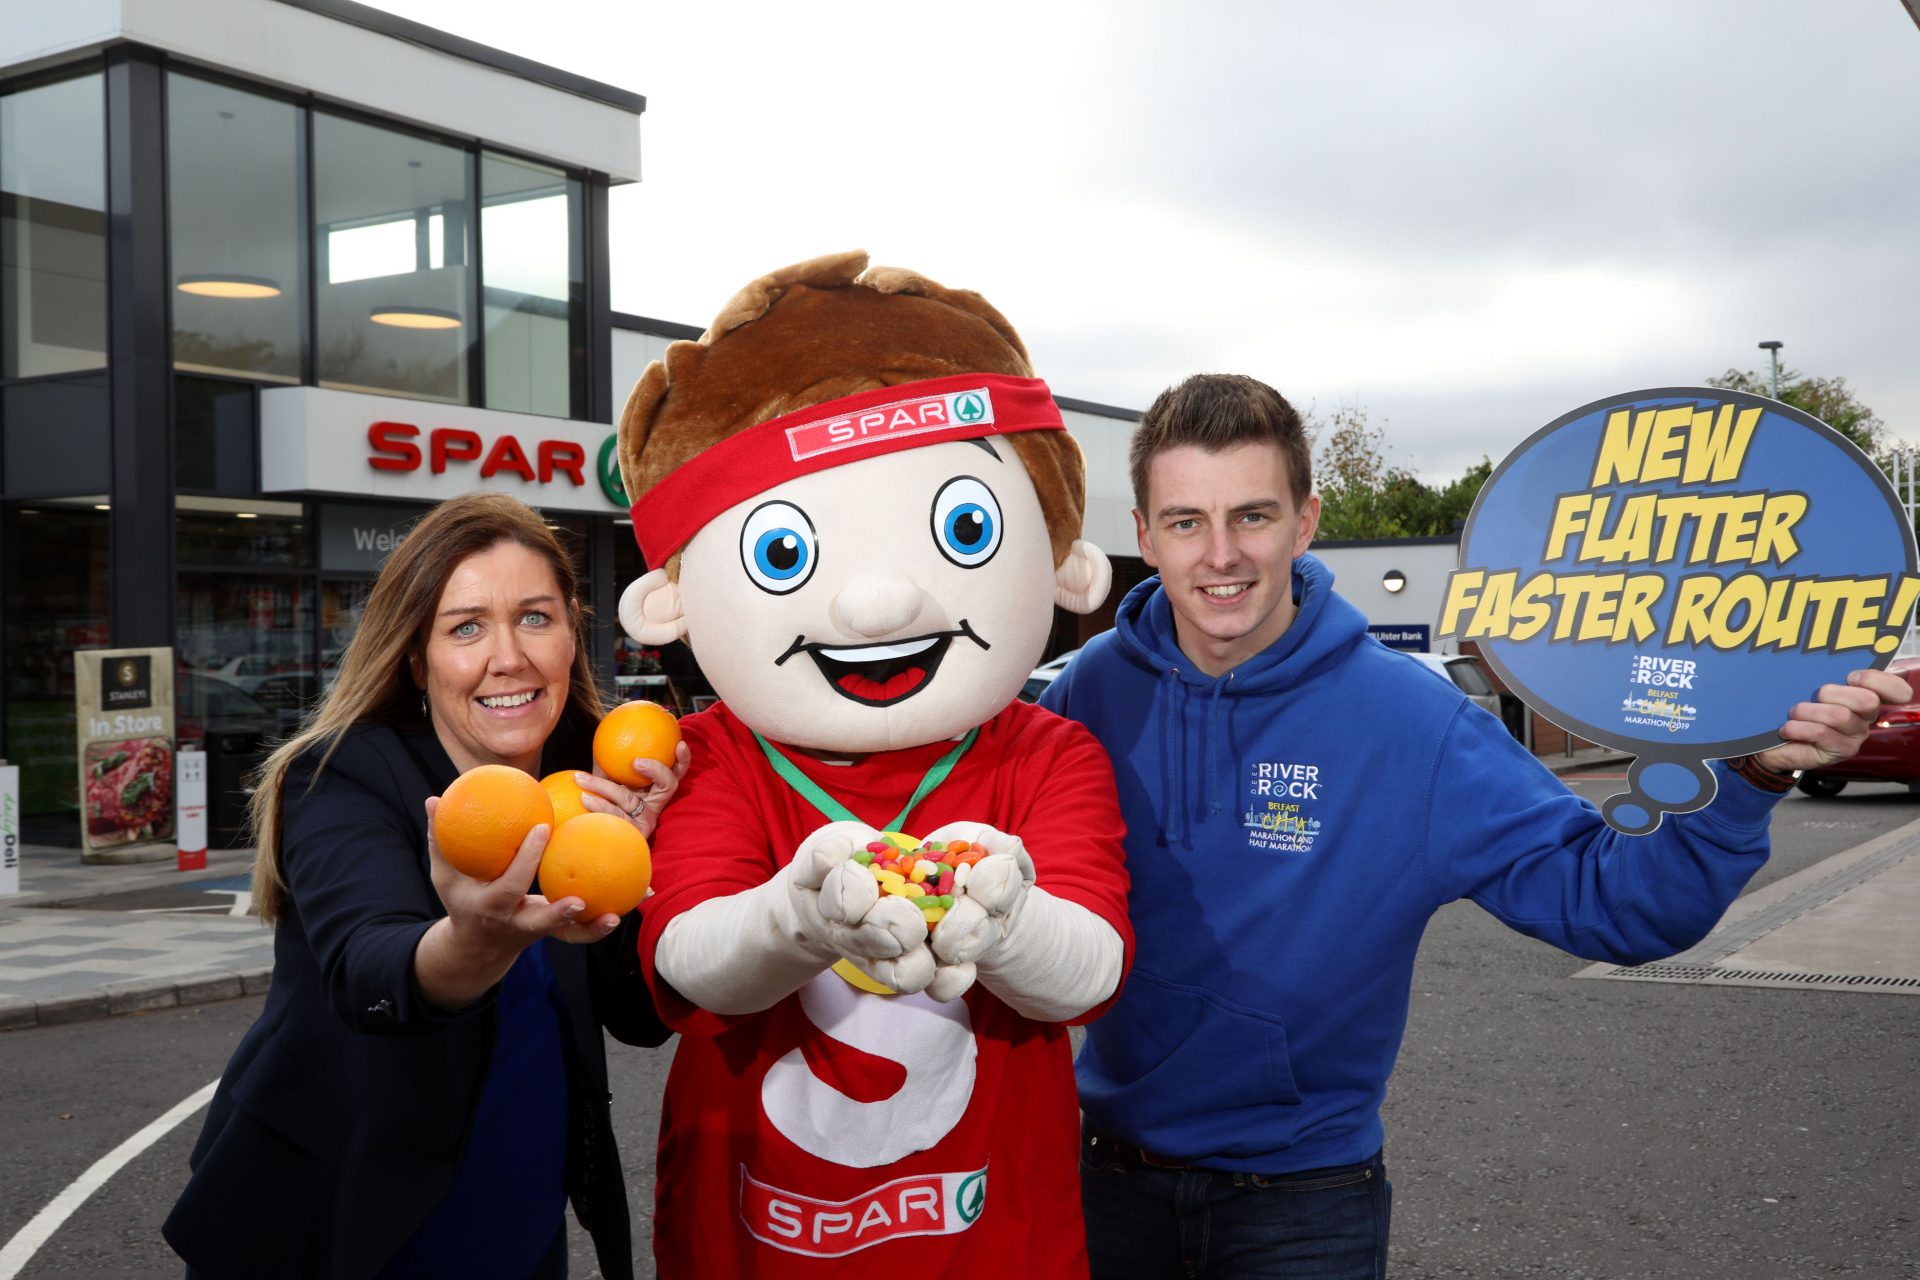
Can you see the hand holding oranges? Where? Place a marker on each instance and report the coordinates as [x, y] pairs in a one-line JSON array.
[[635, 731]]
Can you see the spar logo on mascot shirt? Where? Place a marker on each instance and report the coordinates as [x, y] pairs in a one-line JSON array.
[[931, 1204]]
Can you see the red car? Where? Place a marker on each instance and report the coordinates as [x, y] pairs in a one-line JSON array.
[[1891, 752]]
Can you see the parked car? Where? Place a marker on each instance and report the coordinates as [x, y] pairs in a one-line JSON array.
[[1891, 752], [1043, 676], [1464, 671]]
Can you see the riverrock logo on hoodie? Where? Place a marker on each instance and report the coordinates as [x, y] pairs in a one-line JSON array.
[[1280, 797], [1660, 693]]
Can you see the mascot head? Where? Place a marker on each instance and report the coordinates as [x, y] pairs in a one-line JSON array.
[[860, 504]]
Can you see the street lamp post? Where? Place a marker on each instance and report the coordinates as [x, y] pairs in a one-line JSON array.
[[1772, 347]]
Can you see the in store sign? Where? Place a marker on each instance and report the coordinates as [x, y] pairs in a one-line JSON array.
[[124, 717]]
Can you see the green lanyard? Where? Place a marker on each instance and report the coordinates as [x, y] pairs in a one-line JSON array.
[[811, 792]]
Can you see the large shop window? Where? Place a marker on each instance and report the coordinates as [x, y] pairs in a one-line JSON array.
[[393, 245], [53, 229], [533, 269], [237, 216], [55, 575]]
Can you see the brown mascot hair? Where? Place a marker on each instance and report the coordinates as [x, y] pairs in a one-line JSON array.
[[820, 330]]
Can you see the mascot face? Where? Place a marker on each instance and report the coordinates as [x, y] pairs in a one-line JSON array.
[[894, 601]]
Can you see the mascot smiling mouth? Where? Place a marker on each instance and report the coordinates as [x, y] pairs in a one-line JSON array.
[[880, 675]]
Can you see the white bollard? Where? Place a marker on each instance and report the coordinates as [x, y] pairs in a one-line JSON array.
[[190, 808]]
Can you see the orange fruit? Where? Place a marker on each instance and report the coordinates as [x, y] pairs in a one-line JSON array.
[[601, 860], [484, 816], [565, 794], [635, 731]]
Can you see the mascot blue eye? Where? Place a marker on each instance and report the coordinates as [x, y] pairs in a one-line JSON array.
[[778, 547], [966, 522], [780, 555]]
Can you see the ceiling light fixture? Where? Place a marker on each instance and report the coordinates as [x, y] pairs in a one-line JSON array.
[[246, 515], [228, 285], [416, 317]]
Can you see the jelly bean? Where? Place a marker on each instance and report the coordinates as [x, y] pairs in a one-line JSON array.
[[958, 846], [889, 877], [935, 915], [862, 857], [911, 890], [878, 846], [898, 890], [960, 875], [946, 901]]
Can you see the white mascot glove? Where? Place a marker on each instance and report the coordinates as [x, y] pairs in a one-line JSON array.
[[746, 952], [1047, 958]]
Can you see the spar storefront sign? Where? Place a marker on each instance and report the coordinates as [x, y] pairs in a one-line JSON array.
[[314, 440]]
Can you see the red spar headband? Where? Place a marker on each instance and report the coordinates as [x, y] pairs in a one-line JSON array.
[[965, 406]]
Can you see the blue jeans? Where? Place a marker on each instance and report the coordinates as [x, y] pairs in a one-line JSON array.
[[1145, 1222]]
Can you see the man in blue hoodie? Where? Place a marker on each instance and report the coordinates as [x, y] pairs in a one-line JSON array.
[[1299, 801]]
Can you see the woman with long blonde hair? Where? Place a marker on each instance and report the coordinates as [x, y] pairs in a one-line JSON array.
[[426, 1086]]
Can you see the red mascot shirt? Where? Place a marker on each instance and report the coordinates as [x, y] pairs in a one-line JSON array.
[[844, 1133]]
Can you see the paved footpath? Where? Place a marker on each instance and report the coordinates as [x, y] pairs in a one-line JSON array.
[[88, 941]]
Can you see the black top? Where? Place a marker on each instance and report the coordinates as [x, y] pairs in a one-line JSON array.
[[339, 1122]]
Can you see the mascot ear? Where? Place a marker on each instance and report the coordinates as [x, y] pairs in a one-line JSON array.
[[650, 609], [1082, 580]]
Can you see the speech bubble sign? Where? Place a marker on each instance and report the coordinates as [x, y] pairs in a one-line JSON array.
[[1667, 572]]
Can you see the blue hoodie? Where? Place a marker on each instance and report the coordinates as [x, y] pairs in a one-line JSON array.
[[1291, 827]]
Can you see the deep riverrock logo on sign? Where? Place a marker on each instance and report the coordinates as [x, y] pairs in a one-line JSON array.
[[1280, 794], [1660, 692]]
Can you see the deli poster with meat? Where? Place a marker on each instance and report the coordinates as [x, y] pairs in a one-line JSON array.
[[125, 725]]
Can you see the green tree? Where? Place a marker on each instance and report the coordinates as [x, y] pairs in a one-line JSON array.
[[1828, 399], [1363, 495]]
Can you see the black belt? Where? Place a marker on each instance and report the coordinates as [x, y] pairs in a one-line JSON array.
[[1131, 1154]]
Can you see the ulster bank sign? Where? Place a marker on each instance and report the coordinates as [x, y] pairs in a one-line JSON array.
[[314, 440]]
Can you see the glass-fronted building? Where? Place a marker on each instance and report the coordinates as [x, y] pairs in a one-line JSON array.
[[275, 275]]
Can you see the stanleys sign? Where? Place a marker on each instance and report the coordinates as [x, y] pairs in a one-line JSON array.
[[124, 719], [317, 440]]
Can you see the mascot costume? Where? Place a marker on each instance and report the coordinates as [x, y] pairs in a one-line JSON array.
[[861, 508]]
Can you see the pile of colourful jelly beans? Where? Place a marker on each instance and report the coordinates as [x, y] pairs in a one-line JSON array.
[[929, 874]]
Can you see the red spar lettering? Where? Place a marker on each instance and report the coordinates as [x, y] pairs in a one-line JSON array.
[[391, 450], [451, 444], [506, 456], [562, 457]]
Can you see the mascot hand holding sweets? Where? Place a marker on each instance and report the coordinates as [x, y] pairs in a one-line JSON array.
[[863, 508]]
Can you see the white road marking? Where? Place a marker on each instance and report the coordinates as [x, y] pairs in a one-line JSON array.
[[27, 1241]]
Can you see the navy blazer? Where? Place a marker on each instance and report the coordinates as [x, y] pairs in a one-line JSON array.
[[340, 1120]]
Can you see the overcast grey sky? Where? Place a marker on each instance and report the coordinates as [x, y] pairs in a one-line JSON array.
[[1468, 218]]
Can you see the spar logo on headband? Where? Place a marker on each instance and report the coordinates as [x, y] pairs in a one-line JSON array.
[[918, 416]]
